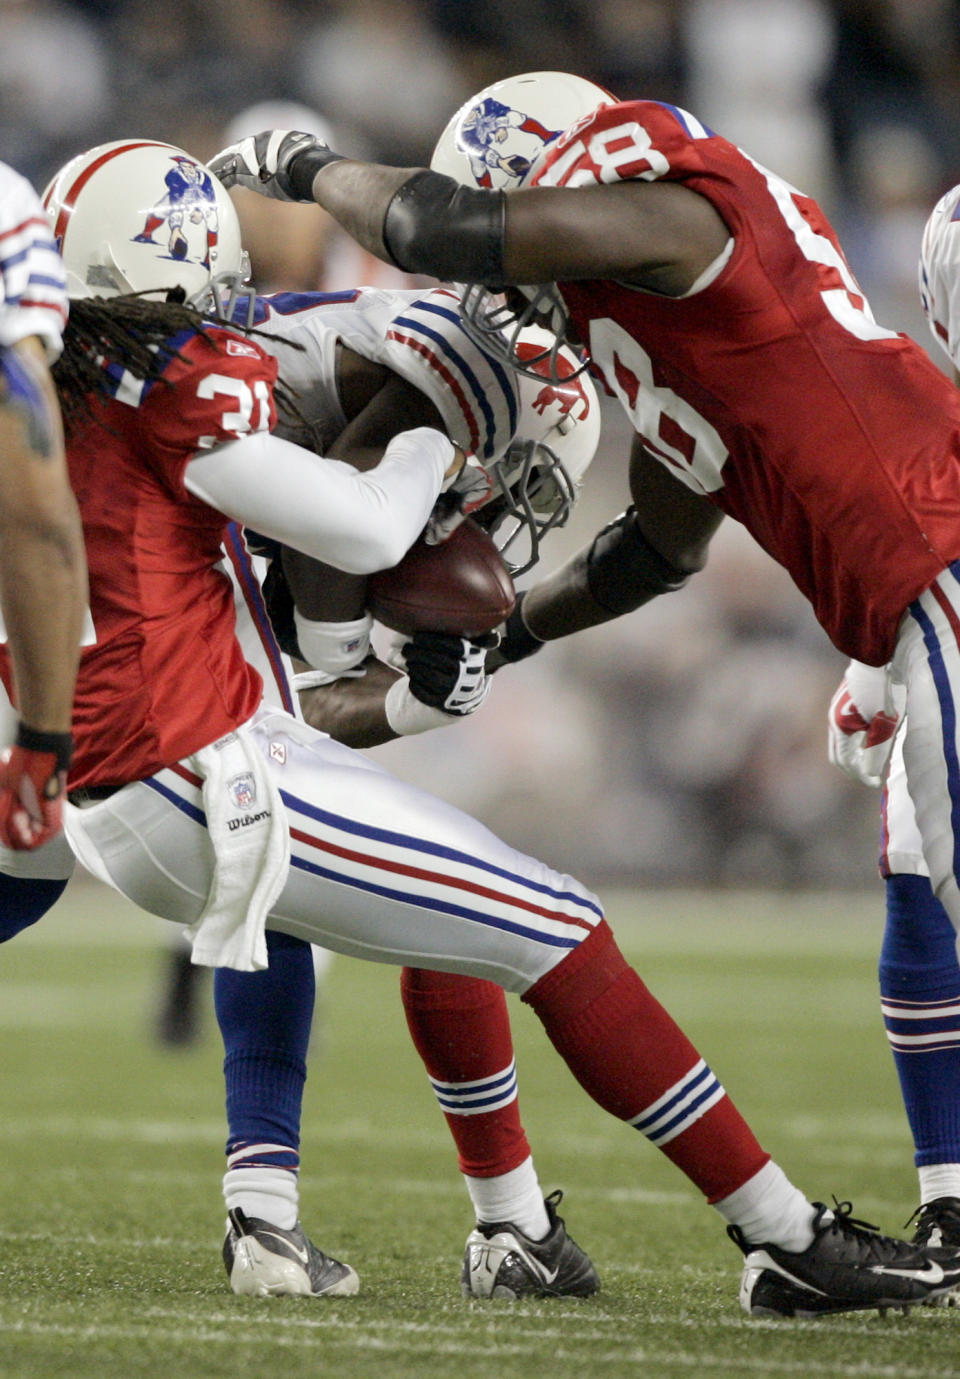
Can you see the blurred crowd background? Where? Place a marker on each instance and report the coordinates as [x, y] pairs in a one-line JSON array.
[[685, 744]]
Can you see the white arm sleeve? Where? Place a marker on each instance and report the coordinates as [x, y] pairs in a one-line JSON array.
[[358, 522]]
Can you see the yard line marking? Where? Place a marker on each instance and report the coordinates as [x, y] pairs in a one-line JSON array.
[[405, 1338]]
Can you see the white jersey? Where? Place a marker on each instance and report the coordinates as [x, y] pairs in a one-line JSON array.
[[254, 632], [33, 290], [416, 334], [940, 273], [901, 846]]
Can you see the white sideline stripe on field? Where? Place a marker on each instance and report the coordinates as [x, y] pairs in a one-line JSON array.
[[882, 1145], [205, 1331], [346, 1132]]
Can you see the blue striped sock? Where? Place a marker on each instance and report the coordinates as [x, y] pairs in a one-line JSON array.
[[920, 999], [265, 1019]]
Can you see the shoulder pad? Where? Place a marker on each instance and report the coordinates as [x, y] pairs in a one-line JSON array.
[[474, 393]]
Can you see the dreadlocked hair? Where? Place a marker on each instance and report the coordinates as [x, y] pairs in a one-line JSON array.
[[132, 332]]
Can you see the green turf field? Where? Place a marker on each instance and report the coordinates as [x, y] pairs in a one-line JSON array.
[[110, 1212]]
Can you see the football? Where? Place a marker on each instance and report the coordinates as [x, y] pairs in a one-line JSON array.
[[460, 586]]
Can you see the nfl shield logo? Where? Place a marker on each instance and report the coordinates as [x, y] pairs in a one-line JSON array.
[[243, 791]]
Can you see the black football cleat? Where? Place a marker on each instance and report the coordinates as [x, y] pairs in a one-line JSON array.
[[501, 1261], [849, 1267]]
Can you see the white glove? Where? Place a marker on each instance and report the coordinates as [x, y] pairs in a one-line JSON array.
[[459, 497], [280, 163], [862, 722], [446, 679]]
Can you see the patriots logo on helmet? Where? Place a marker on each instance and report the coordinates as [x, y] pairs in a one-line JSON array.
[[188, 207], [490, 123]]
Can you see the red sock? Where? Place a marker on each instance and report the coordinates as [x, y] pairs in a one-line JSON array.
[[629, 1055], [461, 1030]]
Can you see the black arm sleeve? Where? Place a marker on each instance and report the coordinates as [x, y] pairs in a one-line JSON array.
[[434, 226], [623, 569]]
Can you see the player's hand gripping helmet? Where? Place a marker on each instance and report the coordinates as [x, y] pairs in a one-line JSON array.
[[499, 139], [558, 430], [141, 216]]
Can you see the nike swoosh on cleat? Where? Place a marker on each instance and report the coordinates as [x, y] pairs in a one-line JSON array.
[[931, 1274], [539, 1268], [302, 1254]]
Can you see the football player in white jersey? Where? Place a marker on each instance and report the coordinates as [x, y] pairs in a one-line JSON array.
[[42, 571], [459, 1025], [263, 820], [919, 970]]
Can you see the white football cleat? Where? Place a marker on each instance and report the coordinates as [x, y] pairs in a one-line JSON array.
[[262, 1261]]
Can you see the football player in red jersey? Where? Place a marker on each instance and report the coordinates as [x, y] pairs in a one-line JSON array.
[[717, 306], [347, 354], [42, 573]]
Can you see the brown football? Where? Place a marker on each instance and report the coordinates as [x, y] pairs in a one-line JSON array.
[[461, 586]]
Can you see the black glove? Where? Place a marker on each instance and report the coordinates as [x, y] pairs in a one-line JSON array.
[[448, 672]]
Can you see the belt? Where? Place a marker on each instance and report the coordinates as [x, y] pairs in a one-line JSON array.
[[91, 794]]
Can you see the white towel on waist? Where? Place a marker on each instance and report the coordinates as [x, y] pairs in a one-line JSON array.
[[247, 824]]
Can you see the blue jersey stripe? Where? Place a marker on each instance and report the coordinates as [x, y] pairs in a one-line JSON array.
[[191, 810], [253, 598], [683, 117], [447, 347], [948, 718]]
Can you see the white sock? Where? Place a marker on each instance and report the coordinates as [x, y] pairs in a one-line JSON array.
[[513, 1197], [268, 1193], [939, 1180], [770, 1210]]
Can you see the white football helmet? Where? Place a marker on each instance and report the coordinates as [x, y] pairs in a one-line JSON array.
[[141, 216], [498, 139], [537, 479], [939, 276]]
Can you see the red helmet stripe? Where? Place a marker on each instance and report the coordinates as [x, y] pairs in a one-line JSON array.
[[70, 200]]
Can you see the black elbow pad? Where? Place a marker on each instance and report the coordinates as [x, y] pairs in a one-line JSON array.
[[624, 570], [434, 226]]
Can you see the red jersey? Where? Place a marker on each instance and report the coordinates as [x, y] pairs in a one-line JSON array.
[[166, 675], [769, 387]]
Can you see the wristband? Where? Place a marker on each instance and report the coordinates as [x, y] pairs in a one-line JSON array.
[[303, 168], [35, 740], [517, 642], [407, 715], [334, 647]]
